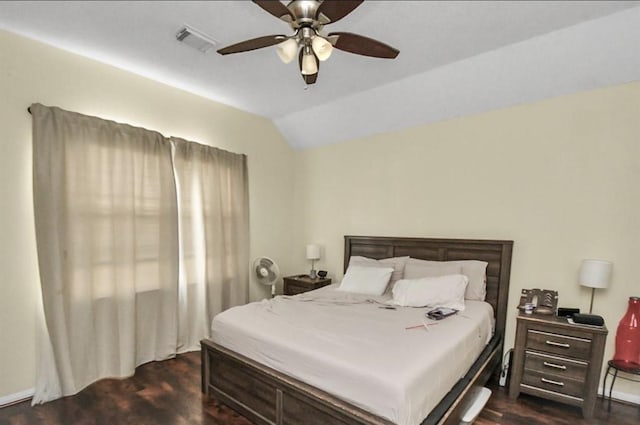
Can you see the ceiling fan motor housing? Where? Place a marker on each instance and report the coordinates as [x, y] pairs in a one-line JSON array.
[[304, 12]]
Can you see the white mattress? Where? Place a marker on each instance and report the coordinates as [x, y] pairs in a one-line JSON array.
[[347, 345]]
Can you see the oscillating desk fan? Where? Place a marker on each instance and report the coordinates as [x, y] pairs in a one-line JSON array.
[[267, 272]]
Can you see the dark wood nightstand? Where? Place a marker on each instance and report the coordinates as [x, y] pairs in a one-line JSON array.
[[557, 360], [302, 283]]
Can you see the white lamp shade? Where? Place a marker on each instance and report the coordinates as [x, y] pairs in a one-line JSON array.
[[309, 65], [595, 273], [321, 47], [313, 252], [287, 50]]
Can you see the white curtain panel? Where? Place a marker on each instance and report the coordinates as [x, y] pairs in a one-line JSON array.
[[125, 278], [213, 201], [107, 237]]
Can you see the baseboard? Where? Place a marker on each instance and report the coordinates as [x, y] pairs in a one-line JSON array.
[[16, 398], [620, 396]]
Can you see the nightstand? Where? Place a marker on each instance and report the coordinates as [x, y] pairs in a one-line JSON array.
[[302, 283], [557, 360]]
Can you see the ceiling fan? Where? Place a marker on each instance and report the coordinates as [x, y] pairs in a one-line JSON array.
[[307, 19]]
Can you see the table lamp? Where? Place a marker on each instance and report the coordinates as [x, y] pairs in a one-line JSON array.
[[595, 274], [313, 254]]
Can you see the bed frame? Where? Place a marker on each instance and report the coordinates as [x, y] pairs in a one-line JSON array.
[[267, 396]]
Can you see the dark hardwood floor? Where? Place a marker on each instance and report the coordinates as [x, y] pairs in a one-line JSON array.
[[160, 393], [168, 393]]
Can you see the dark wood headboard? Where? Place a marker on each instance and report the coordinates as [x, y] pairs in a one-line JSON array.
[[496, 253]]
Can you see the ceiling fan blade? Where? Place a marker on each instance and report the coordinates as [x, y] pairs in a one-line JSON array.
[[275, 8], [337, 9], [253, 44], [361, 45], [311, 78]]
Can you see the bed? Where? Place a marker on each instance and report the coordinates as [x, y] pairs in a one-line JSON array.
[[269, 396]]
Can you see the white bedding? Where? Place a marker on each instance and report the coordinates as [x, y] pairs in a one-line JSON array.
[[349, 346]]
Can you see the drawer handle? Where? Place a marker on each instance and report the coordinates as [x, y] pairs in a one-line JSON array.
[[549, 381], [557, 366], [557, 344]]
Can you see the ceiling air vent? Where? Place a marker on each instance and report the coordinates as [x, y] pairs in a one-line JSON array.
[[196, 39]]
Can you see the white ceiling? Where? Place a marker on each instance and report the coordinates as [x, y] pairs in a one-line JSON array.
[[456, 58]]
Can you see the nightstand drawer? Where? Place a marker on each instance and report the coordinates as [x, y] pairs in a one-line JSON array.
[[298, 284], [553, 383], [554, 365], [296, 288], [564, 345]]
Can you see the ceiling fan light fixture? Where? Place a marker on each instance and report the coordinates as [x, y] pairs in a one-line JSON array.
[[309, 65], [321, 47], [307, 19], [287, 50]]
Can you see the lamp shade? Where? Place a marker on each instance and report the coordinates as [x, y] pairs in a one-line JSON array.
[[287, 50], [313, 252], [309, 64], [321, 47], [595, 273]]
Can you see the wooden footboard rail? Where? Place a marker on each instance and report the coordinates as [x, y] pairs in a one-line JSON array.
[[266, 396]]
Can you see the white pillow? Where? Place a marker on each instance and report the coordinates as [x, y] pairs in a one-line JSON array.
[[366, 280], [420, 270], [442, 291], [475, 270], [396, 262]]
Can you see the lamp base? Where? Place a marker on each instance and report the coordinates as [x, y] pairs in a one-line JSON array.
[[313, 274]]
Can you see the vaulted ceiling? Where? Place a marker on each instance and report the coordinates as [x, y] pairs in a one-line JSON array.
[[456, 58]]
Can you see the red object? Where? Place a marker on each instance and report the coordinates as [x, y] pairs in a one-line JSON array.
[[628, 336]]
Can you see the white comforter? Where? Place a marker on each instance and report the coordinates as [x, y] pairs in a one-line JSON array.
[[349, 346]]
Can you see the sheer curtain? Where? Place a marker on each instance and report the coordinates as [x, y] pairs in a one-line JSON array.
[[213, 200], [107, 237], [125, 278]]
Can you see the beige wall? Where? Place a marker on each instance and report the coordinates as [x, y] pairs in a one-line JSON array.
[[559, 177], [33, 72]]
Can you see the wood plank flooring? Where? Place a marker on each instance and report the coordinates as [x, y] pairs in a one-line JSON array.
[[168, 393]]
